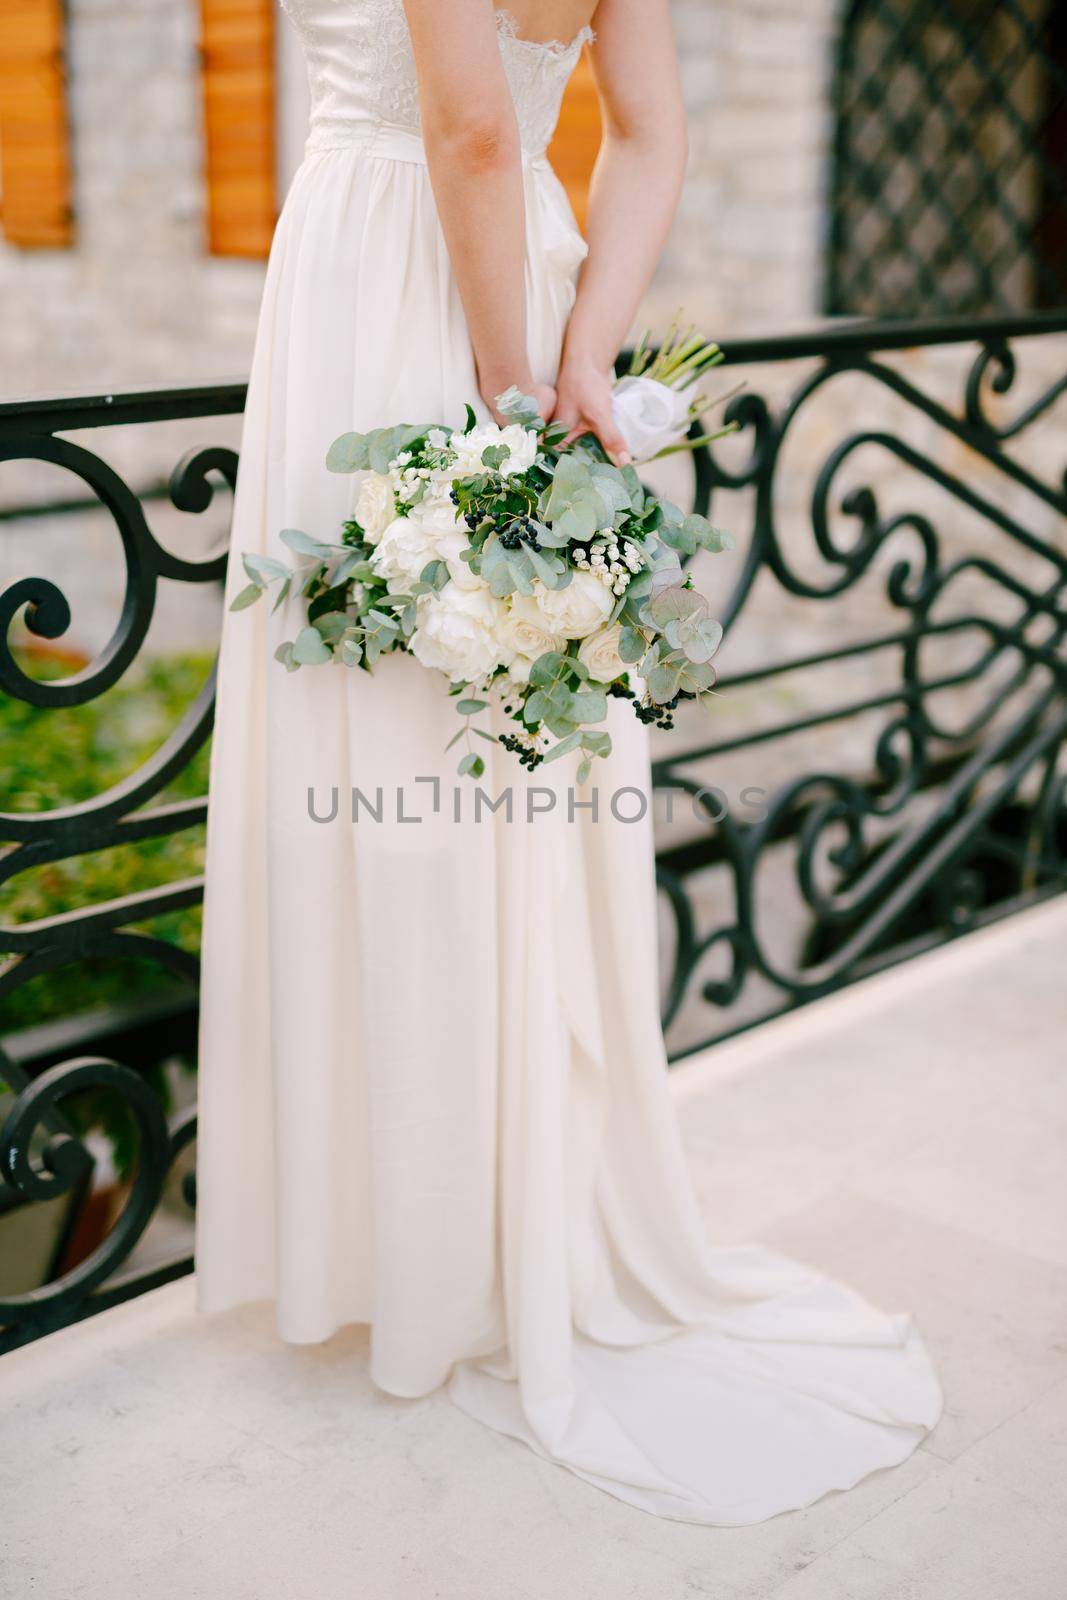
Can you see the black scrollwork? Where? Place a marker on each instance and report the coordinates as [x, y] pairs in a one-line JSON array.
[[42, 1156], [918, 844], [953, 811]]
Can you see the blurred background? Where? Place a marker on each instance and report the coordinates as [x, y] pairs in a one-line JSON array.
[[874, 224], [881, 158]]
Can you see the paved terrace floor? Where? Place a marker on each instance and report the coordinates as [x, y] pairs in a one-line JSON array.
[[908, 1136]]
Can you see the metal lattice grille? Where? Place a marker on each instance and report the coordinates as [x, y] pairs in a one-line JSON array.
[[950, 163]]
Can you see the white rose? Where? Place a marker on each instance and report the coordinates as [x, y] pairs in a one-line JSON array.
[[521, 445], [457, 633], [599, 653], [525, 632], [649, 415], [404, 549], [581, 608], [375, 507]]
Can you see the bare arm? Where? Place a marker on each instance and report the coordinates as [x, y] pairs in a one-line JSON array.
[[636, 183], [475, 163]]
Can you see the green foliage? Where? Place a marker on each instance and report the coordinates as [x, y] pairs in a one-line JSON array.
[[527, 531], [358, 452], [68, 755]]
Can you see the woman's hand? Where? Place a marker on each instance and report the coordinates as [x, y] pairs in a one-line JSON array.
[[583, 402]]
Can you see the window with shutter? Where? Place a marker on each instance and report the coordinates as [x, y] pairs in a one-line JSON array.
[[35, 183], [237, 55]]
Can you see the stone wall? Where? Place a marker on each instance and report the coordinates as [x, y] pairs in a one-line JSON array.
[[138, 300], [746, 252]]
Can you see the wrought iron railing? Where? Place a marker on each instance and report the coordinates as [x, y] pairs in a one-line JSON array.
[[896, 680]]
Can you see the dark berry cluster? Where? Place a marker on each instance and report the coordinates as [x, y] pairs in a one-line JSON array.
[[654, 716], [661, 716], [521, 531], [620, 691], [528, 757], [657, 716]]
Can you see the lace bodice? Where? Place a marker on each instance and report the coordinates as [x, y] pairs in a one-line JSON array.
[[361, 70]]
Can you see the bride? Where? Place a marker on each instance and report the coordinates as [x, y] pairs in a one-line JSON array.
[[433, 1089]]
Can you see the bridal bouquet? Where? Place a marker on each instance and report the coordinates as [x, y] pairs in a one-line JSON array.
[[533, 574]]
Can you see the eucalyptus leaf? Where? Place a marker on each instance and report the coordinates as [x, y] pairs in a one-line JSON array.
[[356, 452], [518, 407], [548, 669], [663, 683], [589, 705], [520, 562], [305, 545], [263, 570], [496, 570], [564, 747], [631, 644], [347, 568], [435, 573], [596, 742], [550, 569], [247, 597], [309, 649], [331, 625], [611, 486]]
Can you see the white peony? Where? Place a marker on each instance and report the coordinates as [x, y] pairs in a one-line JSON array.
[[404, 549], [448, 534], [581, 608], [375, 506], [522, 449], [457, 633], [525, 634], [599, 653]]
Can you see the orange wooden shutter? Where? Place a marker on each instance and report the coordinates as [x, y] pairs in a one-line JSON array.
[[35, 191], [237, 51], [573, 150]]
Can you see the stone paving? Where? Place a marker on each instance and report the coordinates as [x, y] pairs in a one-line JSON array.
[[907, 1135]]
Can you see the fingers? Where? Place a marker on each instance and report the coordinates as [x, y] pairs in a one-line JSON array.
[[603, 425], [592, 419], [545, 395], [565, 412]]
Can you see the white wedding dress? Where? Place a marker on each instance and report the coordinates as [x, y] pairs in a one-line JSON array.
[[432, 1083]]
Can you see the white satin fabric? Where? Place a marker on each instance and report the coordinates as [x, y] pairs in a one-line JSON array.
[[432, 1086]]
